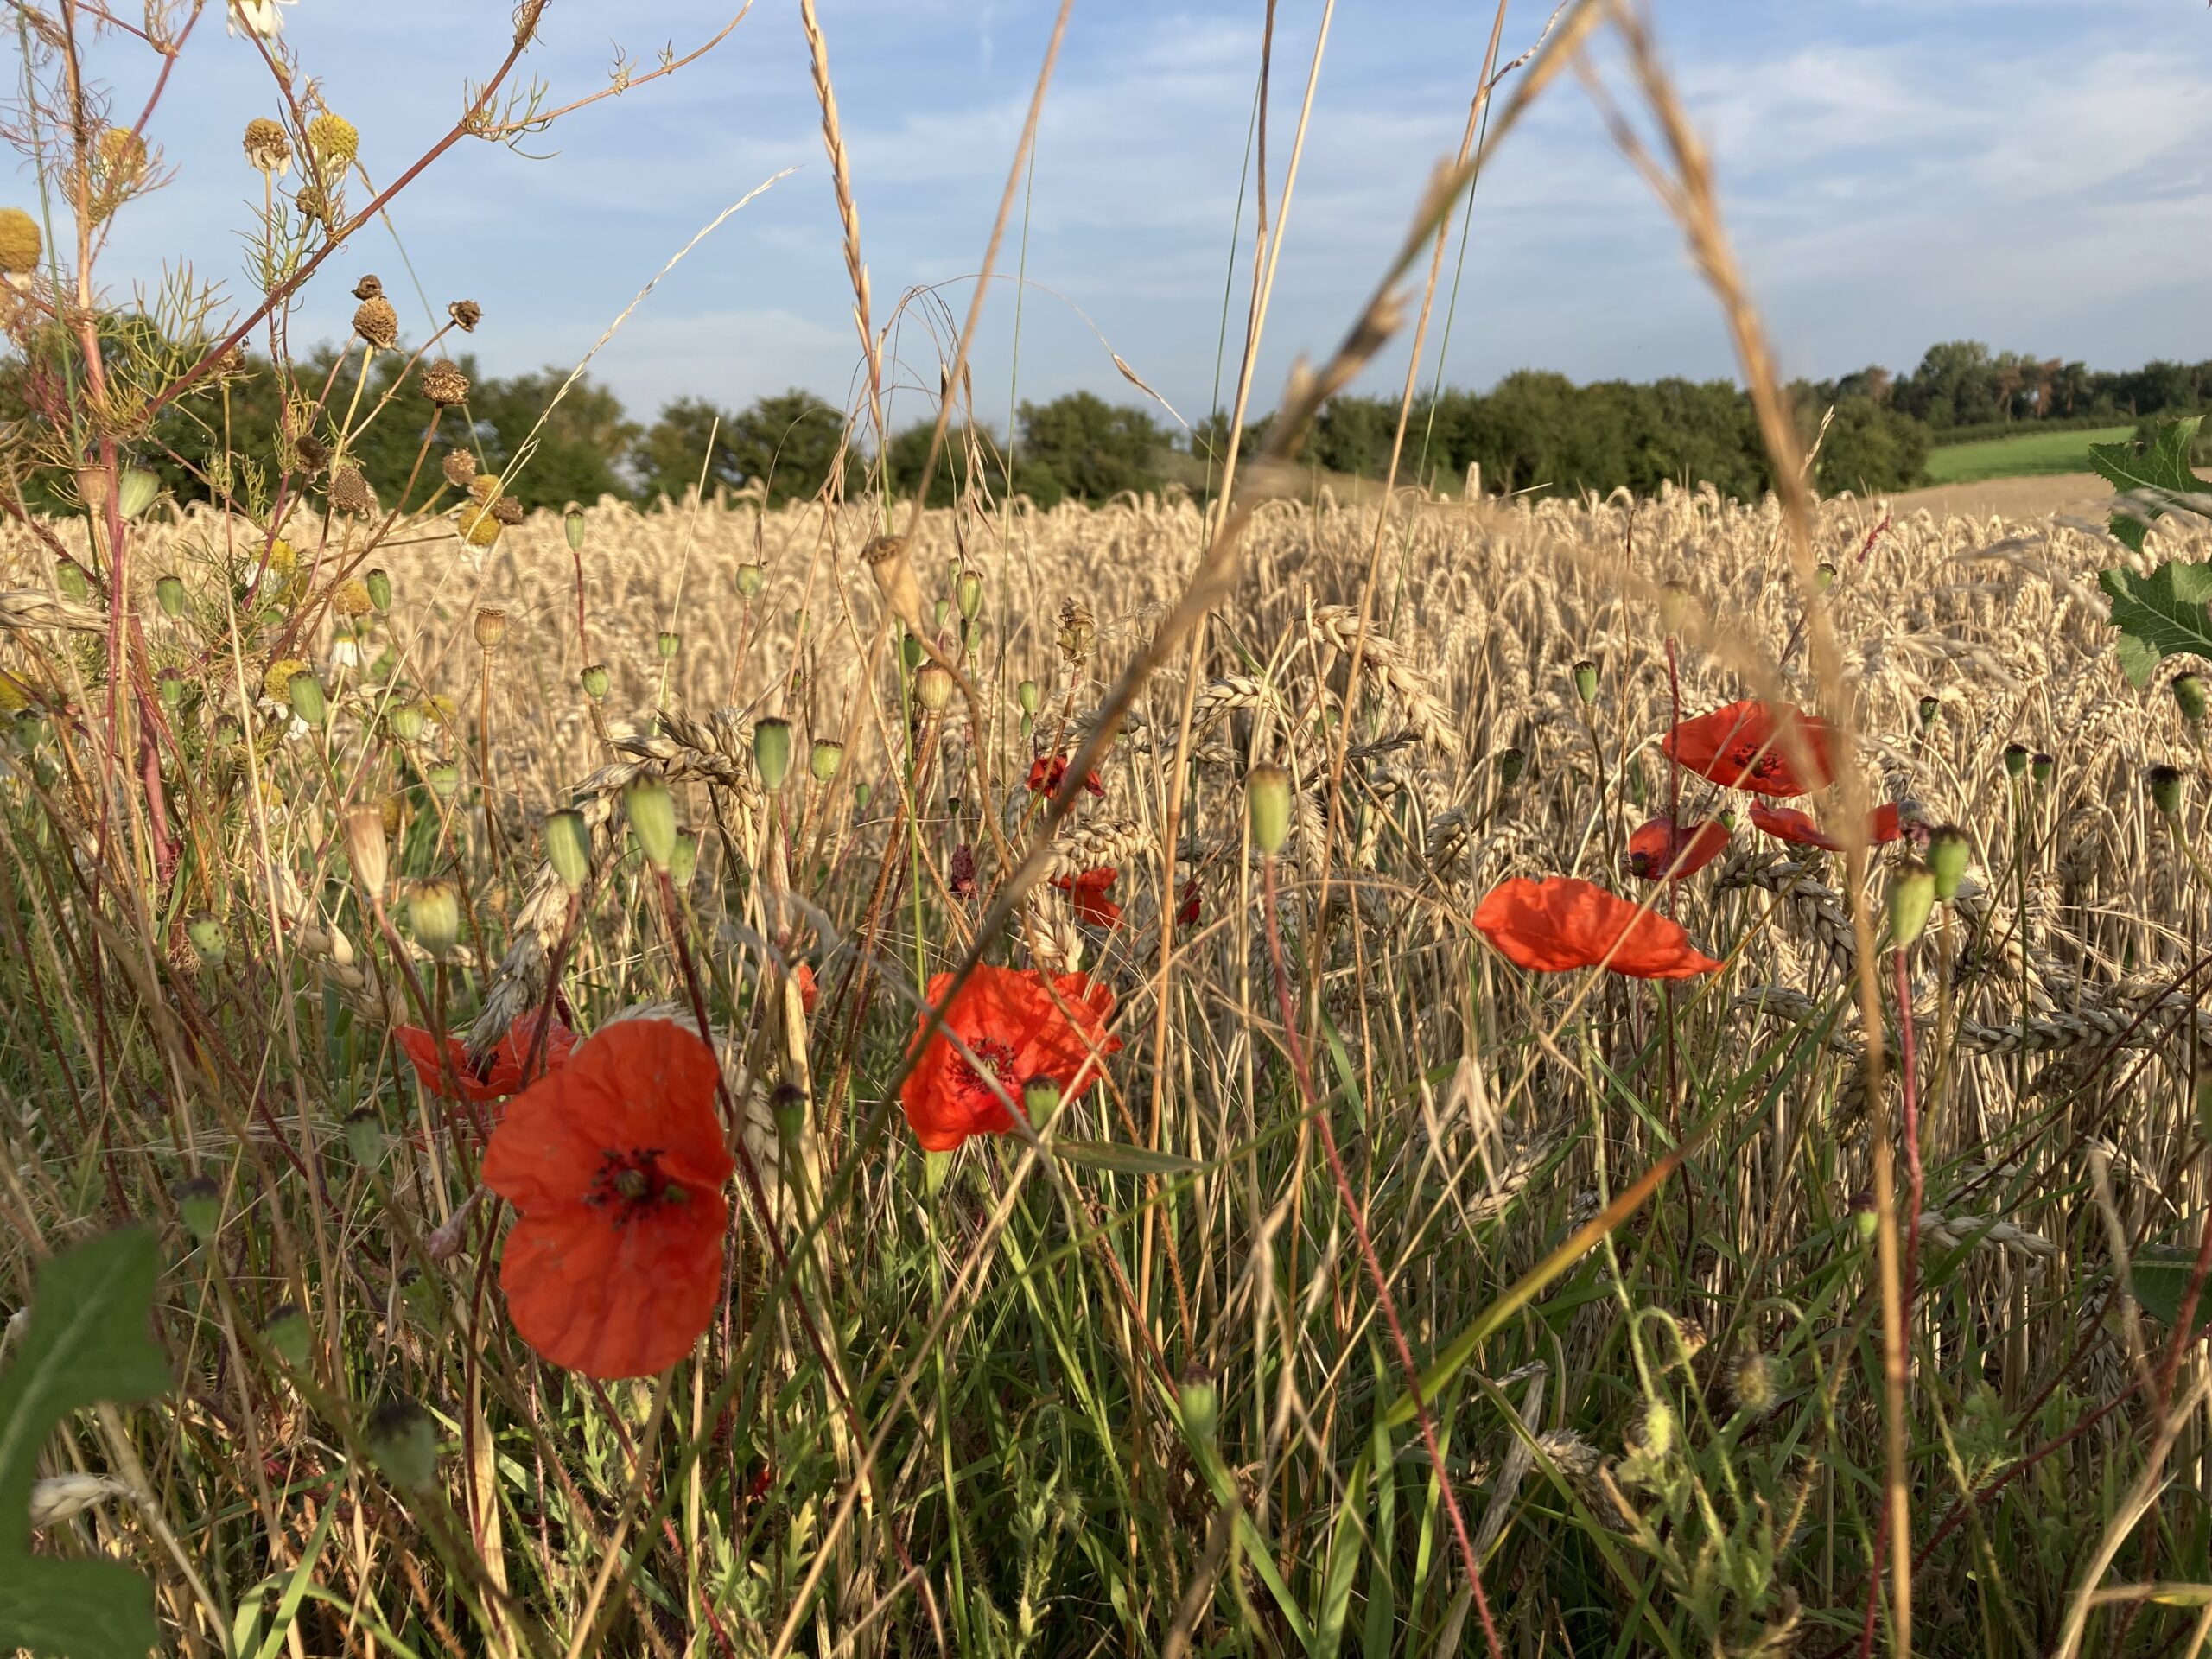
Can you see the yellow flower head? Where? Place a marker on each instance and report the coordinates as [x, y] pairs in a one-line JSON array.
[[479, 527], [441, 708], [20, 242], [335, 141], [351, 598], [277, 684], [282, 562], [123, 155], [11, 695]]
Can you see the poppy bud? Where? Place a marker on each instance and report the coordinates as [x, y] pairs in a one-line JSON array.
[[1040, 1098], [2016, 761], [205, 935], [1912, 897], [568, 848], [2164, 784], [968, 589], [169, 594], [572, 526], [2190, 695], [307, 701], [200, 1202], [771, 752], [366, 848], [910, 652], [1511, 763], [443, 777], [941, 612], [434, 911], [171, 685], [403, 1440], [1267, 801], [1027, 695], [668, 644], [365, 1137], [1930, 707], [594, 681], [861, 792], [288, 1335], [1201, 1404], [971, 635], [2040, 766], [787, 1110], [490, 628], [70, 575], [406, 720], [1586, 680], [752, 577], [1948, 848], [1824, 575], [652, 820], [684, 861], [825, 759], [138, 492], [933, 687]]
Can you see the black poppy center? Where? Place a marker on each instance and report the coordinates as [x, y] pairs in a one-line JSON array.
[[998, 1057], [631, 1184]]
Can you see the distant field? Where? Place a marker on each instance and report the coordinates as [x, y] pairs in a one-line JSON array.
[[2028, 455]]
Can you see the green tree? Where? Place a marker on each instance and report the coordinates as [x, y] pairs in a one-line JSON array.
[[1091, 449], [1869, 448], [792, 440], [585, 439], [968, 453]]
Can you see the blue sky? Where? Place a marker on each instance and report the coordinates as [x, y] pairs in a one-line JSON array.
[[1896, 172]]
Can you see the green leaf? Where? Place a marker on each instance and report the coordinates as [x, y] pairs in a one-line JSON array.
[[88, 1340], [1124, 1160], [2160, 467], [2162, 614], [2160, 1279]]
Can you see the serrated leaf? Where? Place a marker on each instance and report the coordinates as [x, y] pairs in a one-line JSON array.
[[2166, 614], [1124, 1160], [2161, 467], [87, 1340]]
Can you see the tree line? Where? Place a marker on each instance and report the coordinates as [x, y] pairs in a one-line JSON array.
[[1533, 431]]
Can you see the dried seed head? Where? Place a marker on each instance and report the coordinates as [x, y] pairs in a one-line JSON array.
[[370, 287], [392, 810], [366, 848], [887, 561], [267, 147], [459, 468], [444, 385], [466, 314], [491, 628], [933, 687], [123, 155], [507, 510], [335, 142], [1078, 631], [350, 493], [378, 323], [485, 487], [311, 451]]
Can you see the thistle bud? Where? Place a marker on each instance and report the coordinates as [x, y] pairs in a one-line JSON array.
[[595, 679], [684, 861], [1930, 709], [2040, 767], [752, 577], [406, 720], [308, 704], [933, 687], [434, 911], [1040, 1098], [825, 759], [2016, 761], [366, 849], [379, 583], [2190, 696], [1948, 848], [200, 1202], [443, 777], [1912, 897], [1267, 802], [668, 644], [205, 935], [968, 590], [568, 848], [1586, 680], [403, 1440], [1027, 695], [136, 492], [652, 820], [572, 526], [490, 628], [169, 594], [771, 752], [288, 1335], [1511, 763], [2165, 784]]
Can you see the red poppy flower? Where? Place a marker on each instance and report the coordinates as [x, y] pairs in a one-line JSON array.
[[1787, 824], [809, 992], [1560, 924], [1660, 846], [1087, 894], [1012, 1022], [1749, 746], [1046, 771], [499, 1074], [1187, 914], [616, 1163]]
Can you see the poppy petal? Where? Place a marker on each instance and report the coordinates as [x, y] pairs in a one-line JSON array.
[[1771, 748], [1660, 847], [1560, 924], [613, 1301], [1017, 1026]]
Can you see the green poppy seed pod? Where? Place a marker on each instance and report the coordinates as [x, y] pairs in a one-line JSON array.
[[434, 911], [403, 1440], [171, 685], [1948, 848], [443, 777], [595, 679], [1586, 680], [490, 628], [137, 491], [307, 701], [1266, 803], [2189, 696], [1040, 1098], [933, 687], [406, 720], [910, 652], [2165, 784], [169, 594], [572, 526], [568, 848], [70, 577], [771, 752], [684, 861], [205, 934], [1912, 898], [2041, 767], [364, 1138], [652, 820], [971, 636], [2016, 761], [1511, 763], [1930, 708], [1201, 1404], [286, 1333], [861, 792], [943, 614], [787, 1110], [1027, 695], [752, 577], [1824, 575], [968, 590], [825, 759], [200, 1202], [668, 644]]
